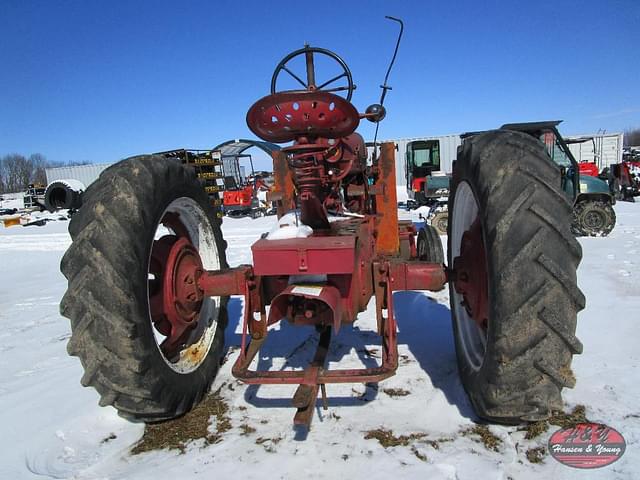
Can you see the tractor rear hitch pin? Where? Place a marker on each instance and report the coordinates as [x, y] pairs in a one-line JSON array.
[[323, 391]]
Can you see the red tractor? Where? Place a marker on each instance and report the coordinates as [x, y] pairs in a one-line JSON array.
[[242, 194], [149, 280], [588, 168]]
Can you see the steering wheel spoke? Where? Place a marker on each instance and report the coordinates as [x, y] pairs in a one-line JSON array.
[[338, 89], [310, 84], [337, 77], [284, 67]]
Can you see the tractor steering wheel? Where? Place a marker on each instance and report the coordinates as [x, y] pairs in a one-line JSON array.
[[311, 84]]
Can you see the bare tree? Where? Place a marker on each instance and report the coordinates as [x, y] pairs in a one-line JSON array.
[[39, 163], [2, 176], [17, 171], [632, 137]]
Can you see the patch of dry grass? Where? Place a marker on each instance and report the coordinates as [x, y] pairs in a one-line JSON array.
[[246, 429], [268, 443], [560, 419], [569, 420], [177, 433], [419, 456], [396, 392], [483, 435], [388, 439], [536, 455]]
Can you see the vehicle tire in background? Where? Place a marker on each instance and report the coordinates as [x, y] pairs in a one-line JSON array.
[[440, 221], [63, 194], [593, 218], [429, 245]]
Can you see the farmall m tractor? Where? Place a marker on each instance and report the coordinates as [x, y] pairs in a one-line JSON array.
[[149, 281]]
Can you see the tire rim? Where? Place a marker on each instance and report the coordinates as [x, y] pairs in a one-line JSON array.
[[473, 337], [442, 223], [184, 242], [594, 220]]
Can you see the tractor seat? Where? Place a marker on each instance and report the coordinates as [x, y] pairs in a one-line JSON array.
[[285, 116]]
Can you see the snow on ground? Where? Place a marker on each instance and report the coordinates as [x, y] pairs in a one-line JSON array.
[[52, 427], [12, 200]]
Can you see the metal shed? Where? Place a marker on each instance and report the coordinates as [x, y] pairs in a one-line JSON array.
[[86, 174]]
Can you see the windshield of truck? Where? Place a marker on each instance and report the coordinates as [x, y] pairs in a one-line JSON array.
[[555, 150], [425, 154]]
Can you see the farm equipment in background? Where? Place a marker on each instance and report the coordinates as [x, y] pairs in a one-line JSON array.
[[424, 187], [245, 195], [589, 168], [422, 159], [208, 169], [34, 196], [593, 213], [624, 180], [148, 304]]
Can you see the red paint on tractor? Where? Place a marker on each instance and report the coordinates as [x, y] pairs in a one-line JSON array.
[[239, 198], [587, 168], [175, 303], [316, 255], [471, 279], [328, 278], [417, 185]]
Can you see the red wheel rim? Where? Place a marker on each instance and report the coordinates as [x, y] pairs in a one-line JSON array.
[[471, 280], [174, 297]]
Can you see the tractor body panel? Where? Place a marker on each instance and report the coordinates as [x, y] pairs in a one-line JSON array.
[[589, 185]]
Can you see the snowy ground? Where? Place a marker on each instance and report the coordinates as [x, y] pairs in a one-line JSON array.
[[53, 427]]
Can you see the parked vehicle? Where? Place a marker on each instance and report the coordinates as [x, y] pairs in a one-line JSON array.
[[593, 213], [149, 281]]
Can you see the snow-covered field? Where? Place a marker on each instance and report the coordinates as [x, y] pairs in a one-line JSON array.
[[53, 427]]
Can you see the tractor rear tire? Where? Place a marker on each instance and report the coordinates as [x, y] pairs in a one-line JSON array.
[[514, 365], [108, 267], [429, 246], [593, 218]]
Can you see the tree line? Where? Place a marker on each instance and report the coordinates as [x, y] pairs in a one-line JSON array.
[[632, 137], [18, 171]]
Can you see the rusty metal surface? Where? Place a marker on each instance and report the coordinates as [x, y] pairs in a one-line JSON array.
[[220, 283], [324, 171], [416, 275], [308, 304], [387, 328], [471, 278], [283, 190], [388, 238]]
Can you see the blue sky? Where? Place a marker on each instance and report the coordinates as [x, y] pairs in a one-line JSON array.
[[103, 80]]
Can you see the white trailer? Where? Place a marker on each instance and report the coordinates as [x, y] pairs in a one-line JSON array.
[[599, 148]]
